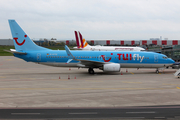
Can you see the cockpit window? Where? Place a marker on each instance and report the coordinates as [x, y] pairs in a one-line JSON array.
[[165, 57]]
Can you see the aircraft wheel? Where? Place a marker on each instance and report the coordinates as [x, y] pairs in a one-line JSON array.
[[157, 71], [91, 71]]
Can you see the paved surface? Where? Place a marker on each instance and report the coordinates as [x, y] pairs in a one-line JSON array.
[[156, 112], [29, 90], [24, 84]]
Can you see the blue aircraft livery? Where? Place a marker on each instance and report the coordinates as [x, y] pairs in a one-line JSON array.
[[109, 61]]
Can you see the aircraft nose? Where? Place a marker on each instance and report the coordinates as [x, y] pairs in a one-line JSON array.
[[171, 61]]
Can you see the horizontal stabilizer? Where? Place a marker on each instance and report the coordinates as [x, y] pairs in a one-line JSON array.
[[14, 51]]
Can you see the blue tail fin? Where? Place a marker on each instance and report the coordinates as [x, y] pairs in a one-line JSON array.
[[21, 40]]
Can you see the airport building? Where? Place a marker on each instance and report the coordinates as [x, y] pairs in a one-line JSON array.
[[9, 42], [172, 52]]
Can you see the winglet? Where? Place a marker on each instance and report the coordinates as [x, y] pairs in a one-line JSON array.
[[70, 56]]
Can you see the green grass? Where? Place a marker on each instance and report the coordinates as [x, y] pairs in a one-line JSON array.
[[4, 53]]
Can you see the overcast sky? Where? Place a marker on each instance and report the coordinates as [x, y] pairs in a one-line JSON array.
[[95, 19]]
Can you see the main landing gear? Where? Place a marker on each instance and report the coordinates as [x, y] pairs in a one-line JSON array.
[[91, 71], [157, 71]]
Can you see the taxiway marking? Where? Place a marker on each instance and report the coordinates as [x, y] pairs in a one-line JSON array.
[[132, 73], [9, 59], [90, 113], [141, 112], [172, 84], [2, 77], [25, 113], [132, 82], [95, 80], [86, 88]]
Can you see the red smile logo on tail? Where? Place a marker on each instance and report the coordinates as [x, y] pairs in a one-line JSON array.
[[18, 42]]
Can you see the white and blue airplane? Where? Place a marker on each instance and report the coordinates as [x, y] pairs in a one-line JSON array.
[[83, 45], [108, 61]]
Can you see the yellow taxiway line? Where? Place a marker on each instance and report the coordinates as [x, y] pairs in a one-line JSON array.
[[131, 82], [86, 88]]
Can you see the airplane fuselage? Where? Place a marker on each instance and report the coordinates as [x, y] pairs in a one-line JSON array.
[[111, 48], [126, 59]]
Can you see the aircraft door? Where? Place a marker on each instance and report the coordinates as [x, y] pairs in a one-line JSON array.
[[155, 58], [38, 57]]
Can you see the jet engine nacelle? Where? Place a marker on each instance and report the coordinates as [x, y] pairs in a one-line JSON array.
[[112, 67]]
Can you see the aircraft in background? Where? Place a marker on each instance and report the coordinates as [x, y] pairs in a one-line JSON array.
[[108, 61], [83, 45]]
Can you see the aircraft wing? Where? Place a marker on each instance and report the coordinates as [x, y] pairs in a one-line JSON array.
[[85, 63], [90, 63]]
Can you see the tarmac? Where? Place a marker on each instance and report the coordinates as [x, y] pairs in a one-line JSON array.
[[25, 84]]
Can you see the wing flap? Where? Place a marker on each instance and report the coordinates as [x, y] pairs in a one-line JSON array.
[[90, 63]]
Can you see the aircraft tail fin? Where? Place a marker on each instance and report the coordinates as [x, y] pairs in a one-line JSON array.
[[81, 42], [77, 39], [22, 42]]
